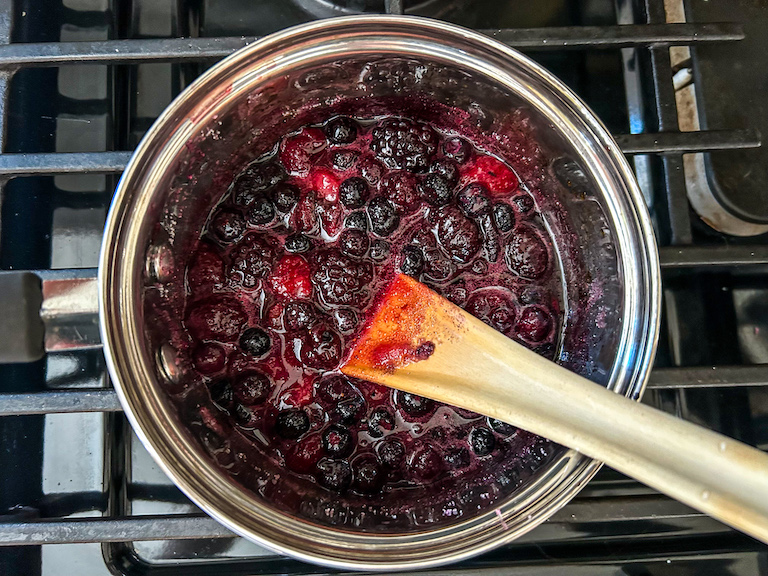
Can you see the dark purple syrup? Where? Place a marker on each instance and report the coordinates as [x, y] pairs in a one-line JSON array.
[[285, 273]]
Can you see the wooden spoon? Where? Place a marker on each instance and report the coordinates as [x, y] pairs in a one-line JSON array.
[[419, 342]]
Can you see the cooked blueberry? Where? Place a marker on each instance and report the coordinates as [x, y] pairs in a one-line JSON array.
[[344, 159], [446, 169], [379, 250], [340, 279], [369, 478], [299, 315], [261, 212], [413, 261], [286, 196], [524, 203], [242, 415], [384, 218], [473, 200], [426, 462], [252, 388], [415, 405], [457, 148], [346, 319], [391, 453], [435, 190], [357, 221], [457, 457], [298, 243], [292, 423], [350, 410], [341, 130], [221, 393], [459, 235], [354, 243], [255, 342], [255, 180], [353, 192], [228, 226], [338, 442], [510, 477], [503, 217], [334, 475], [380, 420], [501, 427], [482, 441]]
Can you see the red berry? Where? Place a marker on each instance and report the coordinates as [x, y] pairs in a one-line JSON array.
[[217, 318], [534, 324], [326, 184], [493, 174], [290, 278], [303, 457], [206, 272], [209, 358], [296, 151]]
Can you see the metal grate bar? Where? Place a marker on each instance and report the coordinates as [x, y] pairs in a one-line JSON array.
[[15, 56], [649, 509], [678, 257], [684, 142], [100, 400], [13, 165], [709, 377], [59, 401]]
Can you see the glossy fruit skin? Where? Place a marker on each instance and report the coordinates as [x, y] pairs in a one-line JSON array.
[[404, 145], [256, 342]]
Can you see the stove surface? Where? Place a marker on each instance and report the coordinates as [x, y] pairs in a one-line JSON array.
[[77, 488]]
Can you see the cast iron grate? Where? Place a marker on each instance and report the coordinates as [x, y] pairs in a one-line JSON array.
[[614, 521]]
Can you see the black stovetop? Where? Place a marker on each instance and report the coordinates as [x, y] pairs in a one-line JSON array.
[[78, 492]]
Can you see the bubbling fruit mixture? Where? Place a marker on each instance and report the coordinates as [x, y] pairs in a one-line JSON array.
[[287, 271]]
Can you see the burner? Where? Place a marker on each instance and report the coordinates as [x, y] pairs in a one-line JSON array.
[[328, 8]]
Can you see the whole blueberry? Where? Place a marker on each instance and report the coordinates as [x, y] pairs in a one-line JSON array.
[[285, 197], [255, 341], [456, 457], [298, 315], [379, 250], [414, 404], [482, 441], [353, 192], [221, 393], [446, 169], [501, 427], [341, 130], [252, 388], [503, 217], [413, 261], [384, 218], [334, 475], [261, 212], [357, 220], [391, 453], [227, 226], [338, 442], [298, 243], [435, 189], [380, 420], [292, 423], [354, 243]]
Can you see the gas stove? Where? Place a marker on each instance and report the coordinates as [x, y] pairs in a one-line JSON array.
[[677, 82]]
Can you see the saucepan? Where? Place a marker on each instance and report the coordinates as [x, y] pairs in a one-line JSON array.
[[236, 112]]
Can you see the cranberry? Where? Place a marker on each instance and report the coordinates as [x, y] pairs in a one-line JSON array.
[[209, 358], [404, 144], [251, 259], [299, 315], [341, 280], [285, 197], [303, 457], [292, 423], [290, 278], [534, 324], [414, 404], [501, 428], [434, 189], [493, 307], [456, 457], [261, 212], [391, 453], [458, 235], [379, 420], [343, 160], [482, 441], [322, 349], [412, 261], [357, 221], [256, 342], [341, 130], [503, 217], [353, 192], [447, 169], [338, 442], [384, 218], [227, 226], [457, 148], [369, 478], [526, 254], [252, 388], [217, 318], [334, 475], [425, 462], [221, 393], [298, 243], [354, 243], [400, 189]]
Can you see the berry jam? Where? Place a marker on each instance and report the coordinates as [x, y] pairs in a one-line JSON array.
[[287, 270]]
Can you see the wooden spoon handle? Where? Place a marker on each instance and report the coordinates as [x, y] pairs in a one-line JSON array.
[[477, 368]]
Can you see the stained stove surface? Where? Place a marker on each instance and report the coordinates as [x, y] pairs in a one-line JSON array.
[[82, 80]]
